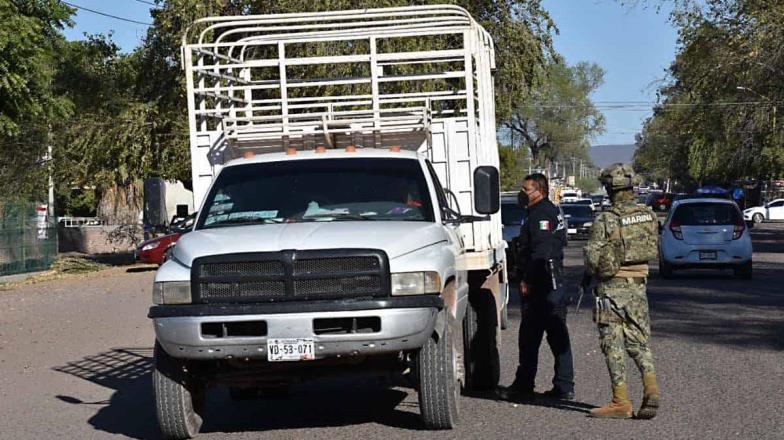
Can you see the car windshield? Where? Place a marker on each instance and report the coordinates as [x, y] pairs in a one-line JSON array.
[[577, 211], [584, 202], [701, 214], [511, 214], [318, 190], [597, 199]]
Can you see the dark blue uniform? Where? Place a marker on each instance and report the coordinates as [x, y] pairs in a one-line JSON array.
[[540, 262]]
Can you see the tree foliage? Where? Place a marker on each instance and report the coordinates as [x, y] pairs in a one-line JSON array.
[[560, 119], [717, 119]]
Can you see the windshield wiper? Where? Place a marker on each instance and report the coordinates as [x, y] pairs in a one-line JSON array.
[[244, 221], [340, 216]]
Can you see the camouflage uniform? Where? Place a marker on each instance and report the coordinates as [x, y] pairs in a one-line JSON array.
[[628, 329]]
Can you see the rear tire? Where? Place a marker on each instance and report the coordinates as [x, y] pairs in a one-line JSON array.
[[179, 398], [480, 343], [758, 218], [744, 272], [439, 389]]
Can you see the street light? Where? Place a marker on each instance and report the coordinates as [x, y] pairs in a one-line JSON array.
[[765, 97]]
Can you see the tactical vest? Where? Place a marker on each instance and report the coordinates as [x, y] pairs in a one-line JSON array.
[[633, 242], [638, 233]]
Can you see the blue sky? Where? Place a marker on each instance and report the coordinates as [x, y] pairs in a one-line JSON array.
[[633, 44]]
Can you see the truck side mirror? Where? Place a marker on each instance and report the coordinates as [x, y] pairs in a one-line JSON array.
[[487, 190]]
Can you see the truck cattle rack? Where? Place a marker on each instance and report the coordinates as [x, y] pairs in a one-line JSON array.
[[417, 77]]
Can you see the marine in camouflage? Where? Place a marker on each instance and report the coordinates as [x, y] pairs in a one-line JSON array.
[[626, 329]]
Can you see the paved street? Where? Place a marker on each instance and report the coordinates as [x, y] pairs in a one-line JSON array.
[[75, 358]]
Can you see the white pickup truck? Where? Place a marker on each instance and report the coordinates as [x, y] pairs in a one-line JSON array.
[[346, 224]]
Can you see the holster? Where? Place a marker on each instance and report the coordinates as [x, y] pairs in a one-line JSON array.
[[604, 312]]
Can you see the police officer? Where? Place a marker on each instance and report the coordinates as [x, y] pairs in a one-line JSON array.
[[540, 271], [622, 242]]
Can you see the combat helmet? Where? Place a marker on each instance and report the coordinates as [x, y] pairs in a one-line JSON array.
[[619, 176]]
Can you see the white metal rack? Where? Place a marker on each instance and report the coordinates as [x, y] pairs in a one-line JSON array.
[[417, 77]]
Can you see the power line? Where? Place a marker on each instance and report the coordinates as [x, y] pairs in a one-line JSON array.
[[106, 15], [146, 2]]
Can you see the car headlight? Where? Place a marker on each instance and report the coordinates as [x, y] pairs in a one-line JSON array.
[[171, 292], [151, 246], [587, 224], [415, 283]]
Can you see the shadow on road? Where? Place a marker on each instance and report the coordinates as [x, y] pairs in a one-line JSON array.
[[131, 412]]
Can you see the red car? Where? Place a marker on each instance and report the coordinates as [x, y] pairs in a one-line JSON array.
[[153, 251]]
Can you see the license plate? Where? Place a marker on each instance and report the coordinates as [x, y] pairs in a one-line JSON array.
[[707, 255], [290, 349], [571, 230]]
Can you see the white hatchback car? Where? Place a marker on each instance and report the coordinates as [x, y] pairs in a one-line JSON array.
[[771, 211], [705, 233]]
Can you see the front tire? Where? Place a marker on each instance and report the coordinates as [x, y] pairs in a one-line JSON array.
[[179, 398], [439, 389], [758, 218]]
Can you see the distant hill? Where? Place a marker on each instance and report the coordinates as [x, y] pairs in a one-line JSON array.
[[603, 155]]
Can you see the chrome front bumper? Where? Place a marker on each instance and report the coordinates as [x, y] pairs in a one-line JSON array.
[[401, 329]]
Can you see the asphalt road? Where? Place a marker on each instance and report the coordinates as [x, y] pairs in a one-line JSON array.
[[75, 359]]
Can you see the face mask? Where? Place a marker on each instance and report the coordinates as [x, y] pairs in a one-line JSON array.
[[522, 199]]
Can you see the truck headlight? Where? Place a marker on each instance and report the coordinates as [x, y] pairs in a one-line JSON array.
[[415, 283], [171, 292]]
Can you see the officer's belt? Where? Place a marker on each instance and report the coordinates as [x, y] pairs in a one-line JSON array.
[[627, 280]]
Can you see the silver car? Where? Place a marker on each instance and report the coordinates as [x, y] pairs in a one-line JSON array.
[[705, 233]]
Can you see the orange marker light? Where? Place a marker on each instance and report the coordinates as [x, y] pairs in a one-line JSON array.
[[248, 154], [291, 151], [321, 149], [395, 148], [351, 149]]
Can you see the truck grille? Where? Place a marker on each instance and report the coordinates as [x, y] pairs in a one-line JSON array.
[[290, 275]]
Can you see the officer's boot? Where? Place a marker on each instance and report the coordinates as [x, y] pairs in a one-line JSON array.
[[618, 408], [650, 397]]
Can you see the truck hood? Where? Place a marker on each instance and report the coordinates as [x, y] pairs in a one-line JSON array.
[[395, 238]]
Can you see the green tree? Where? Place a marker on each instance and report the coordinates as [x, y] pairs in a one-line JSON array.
[[29, 42], [718, 115], [560, 120]]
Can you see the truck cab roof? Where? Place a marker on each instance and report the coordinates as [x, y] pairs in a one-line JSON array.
[[326, 154]]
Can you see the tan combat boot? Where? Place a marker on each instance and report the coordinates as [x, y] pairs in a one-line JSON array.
[[618, 408], [650, 397]]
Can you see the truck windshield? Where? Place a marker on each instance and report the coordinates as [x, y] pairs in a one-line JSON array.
[[318, 190]]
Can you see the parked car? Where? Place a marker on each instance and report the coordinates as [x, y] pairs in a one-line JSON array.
[[156, 250], [579, 219], [771, 211], [705, 233]]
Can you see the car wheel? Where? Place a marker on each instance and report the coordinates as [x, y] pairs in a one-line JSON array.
[[179, 397], [665, 269], [745, 271], [439, 388], [758, 218]]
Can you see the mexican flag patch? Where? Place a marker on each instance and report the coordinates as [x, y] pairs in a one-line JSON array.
[[544, 225]]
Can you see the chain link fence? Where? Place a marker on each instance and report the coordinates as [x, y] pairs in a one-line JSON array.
[[28, 238]]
